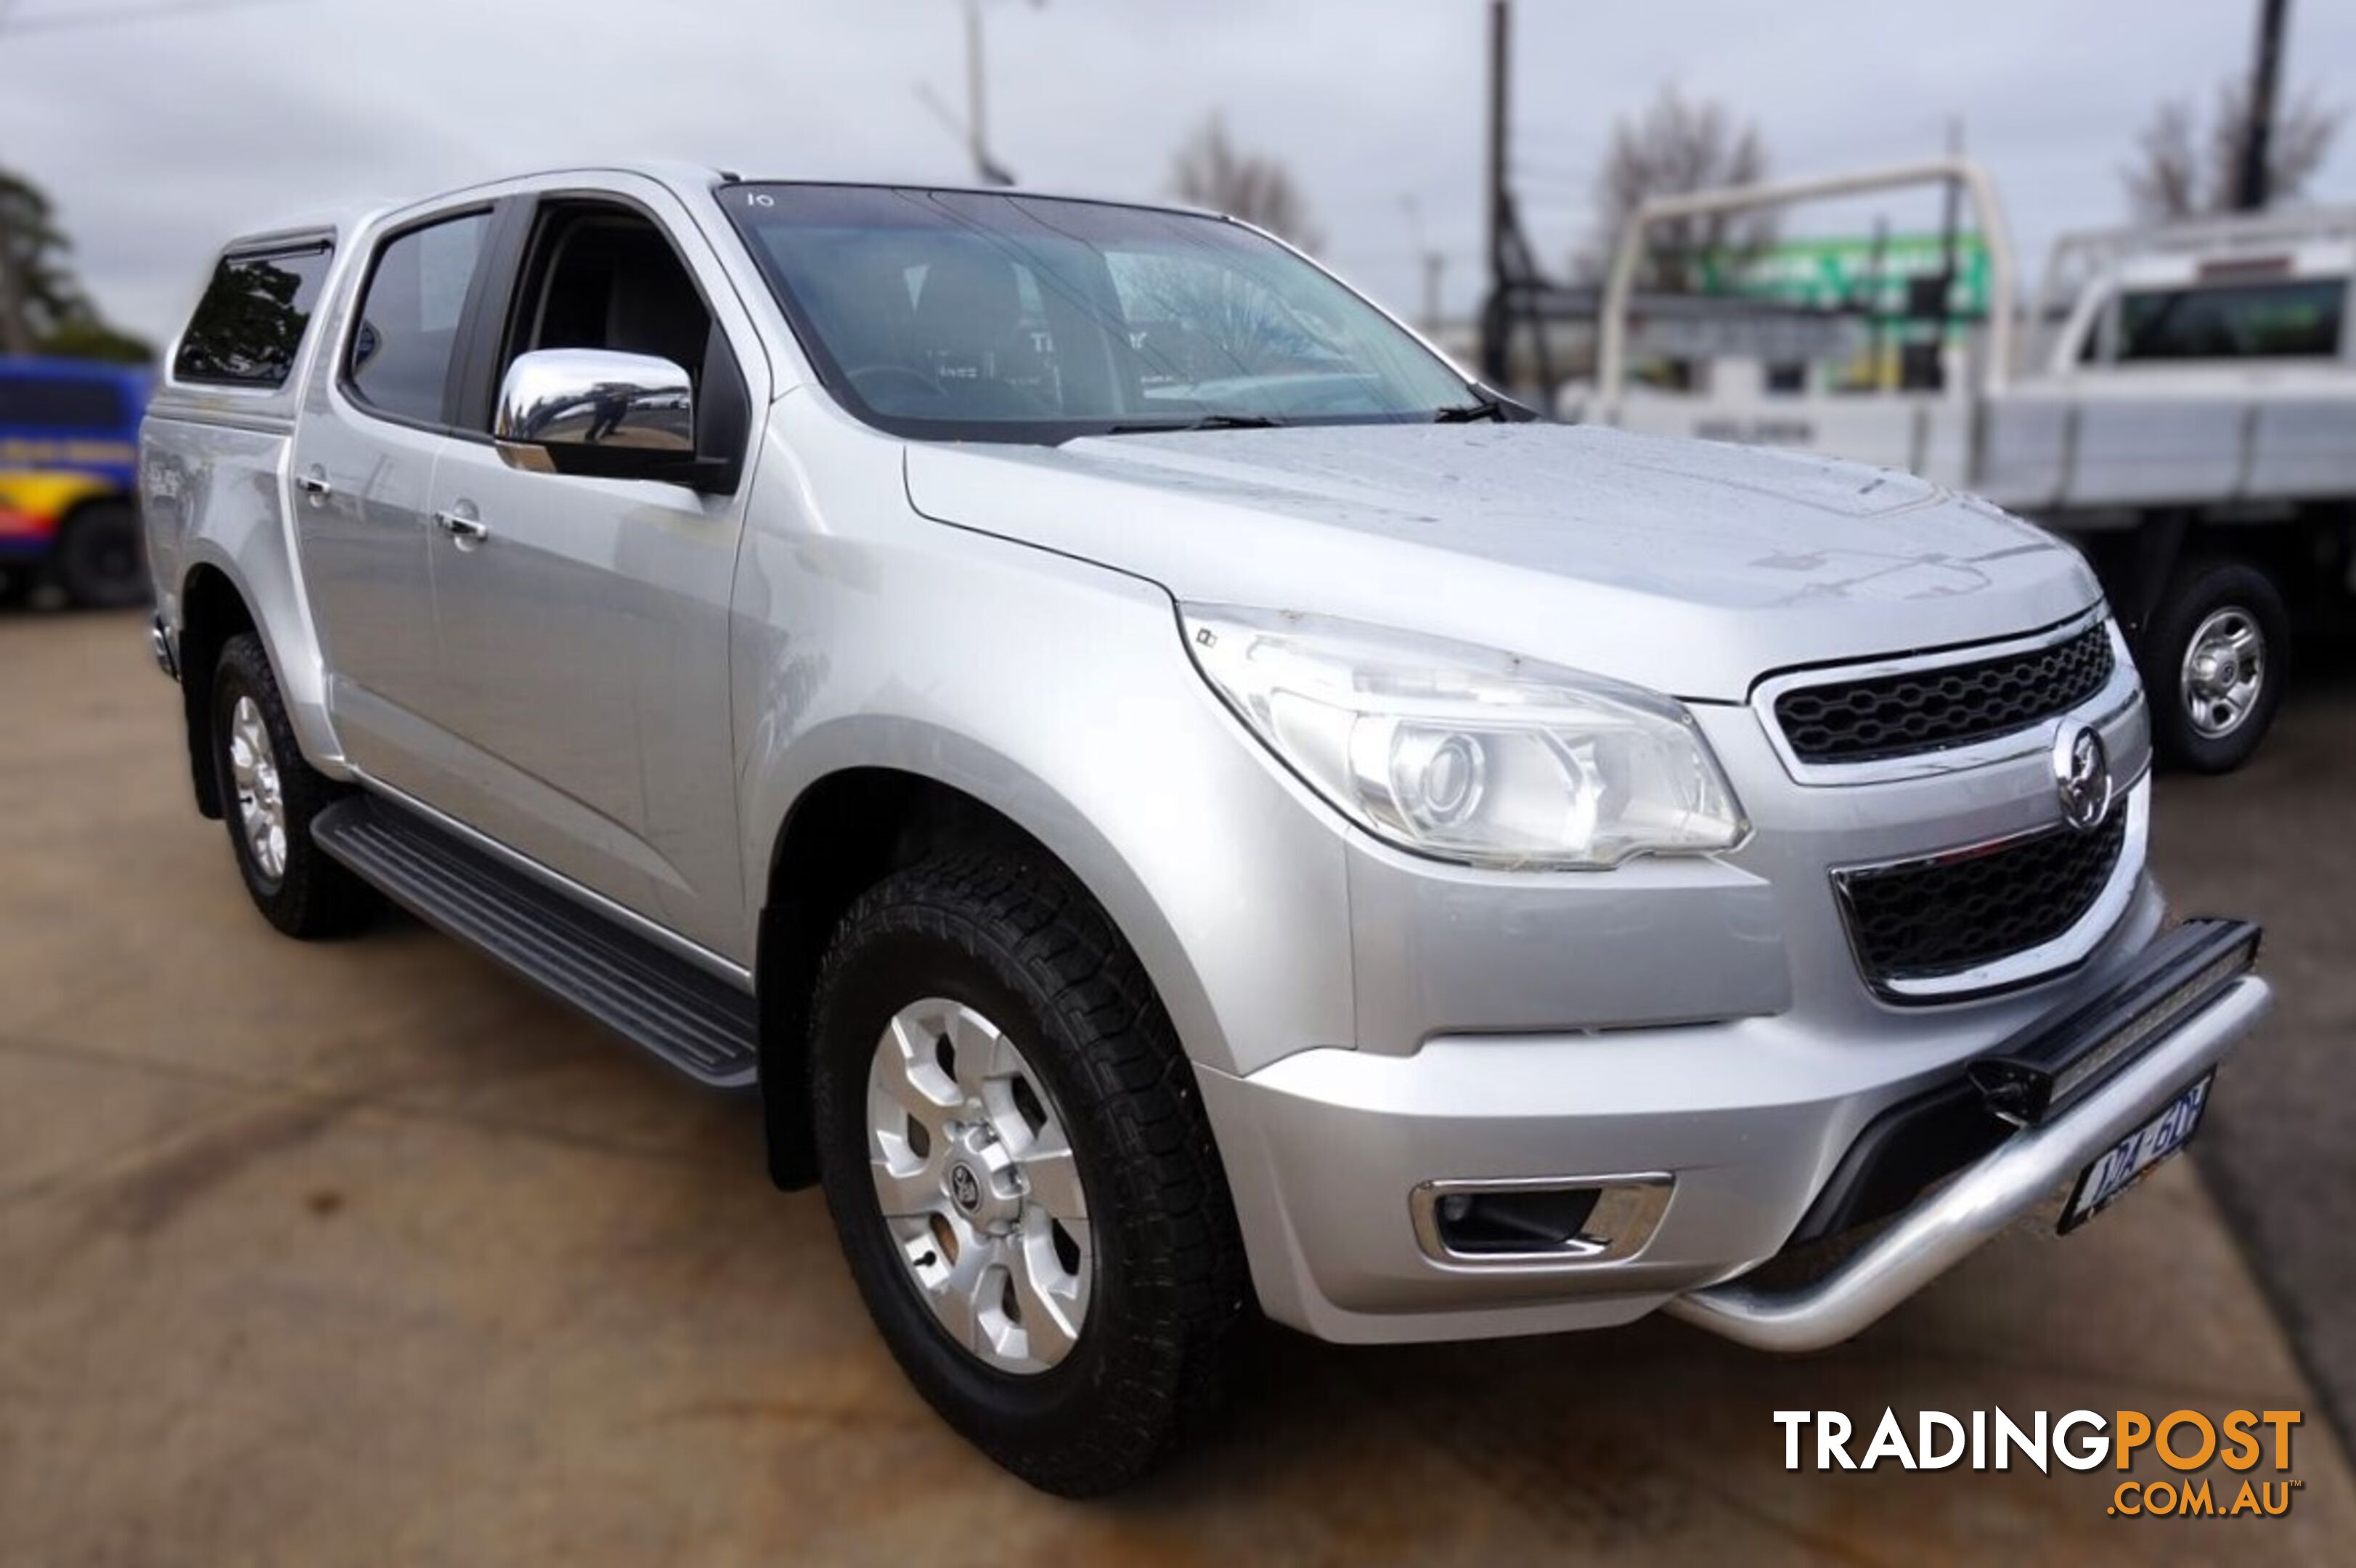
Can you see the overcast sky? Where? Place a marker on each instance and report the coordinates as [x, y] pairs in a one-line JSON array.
[[160, 137]]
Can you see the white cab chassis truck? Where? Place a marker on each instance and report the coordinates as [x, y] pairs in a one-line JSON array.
[[2186, 414]]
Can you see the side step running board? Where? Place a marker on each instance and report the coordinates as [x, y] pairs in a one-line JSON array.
[[696, 1021]]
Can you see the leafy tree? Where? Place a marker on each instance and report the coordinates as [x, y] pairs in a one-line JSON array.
[[1675, 146], [87, 337], [1211, 171], [43, 307], [2180, 170]]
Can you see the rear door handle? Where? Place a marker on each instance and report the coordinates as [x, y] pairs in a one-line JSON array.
[[461, 524], [314, 484]]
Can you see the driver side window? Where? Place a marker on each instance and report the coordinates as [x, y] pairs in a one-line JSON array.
[[600, 276]]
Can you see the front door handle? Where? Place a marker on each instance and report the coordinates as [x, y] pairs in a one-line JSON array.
[[314, 482], [461, 524]]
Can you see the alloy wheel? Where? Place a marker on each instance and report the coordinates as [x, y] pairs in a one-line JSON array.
[[253, 771], [978, 1186]]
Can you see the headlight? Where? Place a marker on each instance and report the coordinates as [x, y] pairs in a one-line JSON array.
[[1464, 753]]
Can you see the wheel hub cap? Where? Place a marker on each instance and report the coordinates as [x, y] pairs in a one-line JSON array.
[[2224, 671], [254, 772], [977, 1185]]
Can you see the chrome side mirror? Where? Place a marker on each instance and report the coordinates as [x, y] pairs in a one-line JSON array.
[[591, 411]]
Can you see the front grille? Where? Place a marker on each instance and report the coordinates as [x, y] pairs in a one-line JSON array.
[[1931, 918], [1924, 710]]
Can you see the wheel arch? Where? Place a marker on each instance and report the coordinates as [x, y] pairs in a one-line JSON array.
[[213, 609], [855, 823], [250, 587], [2142, 567]]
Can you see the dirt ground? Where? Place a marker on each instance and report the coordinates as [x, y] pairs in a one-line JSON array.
[[366, 1254]]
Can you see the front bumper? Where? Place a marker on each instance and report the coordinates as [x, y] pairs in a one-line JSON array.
[[1981, 1199], [1335, 1156]]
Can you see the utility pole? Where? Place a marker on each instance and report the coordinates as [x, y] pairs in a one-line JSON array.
[[1950, 220], [2250, 189], [977, 101], [1516, 285], [974, 129], [987, 169], [1495, 315]]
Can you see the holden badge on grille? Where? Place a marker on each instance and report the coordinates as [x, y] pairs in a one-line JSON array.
[[2082, 776]]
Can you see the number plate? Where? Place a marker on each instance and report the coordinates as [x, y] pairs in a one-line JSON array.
[[2133, 1157]]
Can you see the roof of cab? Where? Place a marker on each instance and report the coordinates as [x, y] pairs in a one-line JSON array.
[[685, 179]]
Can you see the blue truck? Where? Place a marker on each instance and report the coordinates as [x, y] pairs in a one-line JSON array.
[[69, 480]]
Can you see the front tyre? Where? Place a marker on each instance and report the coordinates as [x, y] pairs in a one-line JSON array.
[[1020, 1169], [269, 796], [2213, 659]]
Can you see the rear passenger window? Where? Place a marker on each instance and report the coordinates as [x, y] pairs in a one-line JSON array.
[[250, 321], [409, 318]]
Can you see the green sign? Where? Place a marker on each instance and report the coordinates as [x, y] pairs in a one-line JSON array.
[[1867, 275]]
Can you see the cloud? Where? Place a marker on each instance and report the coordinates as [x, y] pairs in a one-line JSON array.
[[160, 138]]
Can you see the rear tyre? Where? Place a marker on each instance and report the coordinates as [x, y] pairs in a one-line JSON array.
[[269, 796], [101, 558], [1021, 1172], [2213, 659]]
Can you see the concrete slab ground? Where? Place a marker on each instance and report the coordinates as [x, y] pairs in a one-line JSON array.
[[366, 1254], [2276, 842]]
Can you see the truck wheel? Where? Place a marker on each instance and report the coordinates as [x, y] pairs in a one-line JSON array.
[[2214, 659], [101, 564], [1021, 1172], [270, 795]]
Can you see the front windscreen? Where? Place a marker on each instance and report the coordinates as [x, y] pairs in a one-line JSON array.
[[977, 316]]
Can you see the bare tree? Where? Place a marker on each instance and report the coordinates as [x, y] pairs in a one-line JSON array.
[[2165, 181], [1211, 171], [1675, 146], [2180, 172]]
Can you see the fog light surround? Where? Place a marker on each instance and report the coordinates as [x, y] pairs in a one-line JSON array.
[[1541, 1222]]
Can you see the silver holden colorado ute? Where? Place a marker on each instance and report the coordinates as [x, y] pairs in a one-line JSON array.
[[1179, 799]]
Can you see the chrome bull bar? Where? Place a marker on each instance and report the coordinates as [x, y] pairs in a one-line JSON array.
[[1942, 1228]]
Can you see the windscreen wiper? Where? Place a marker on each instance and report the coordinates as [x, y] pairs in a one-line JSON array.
[[1208, 421], [1480, 407]]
